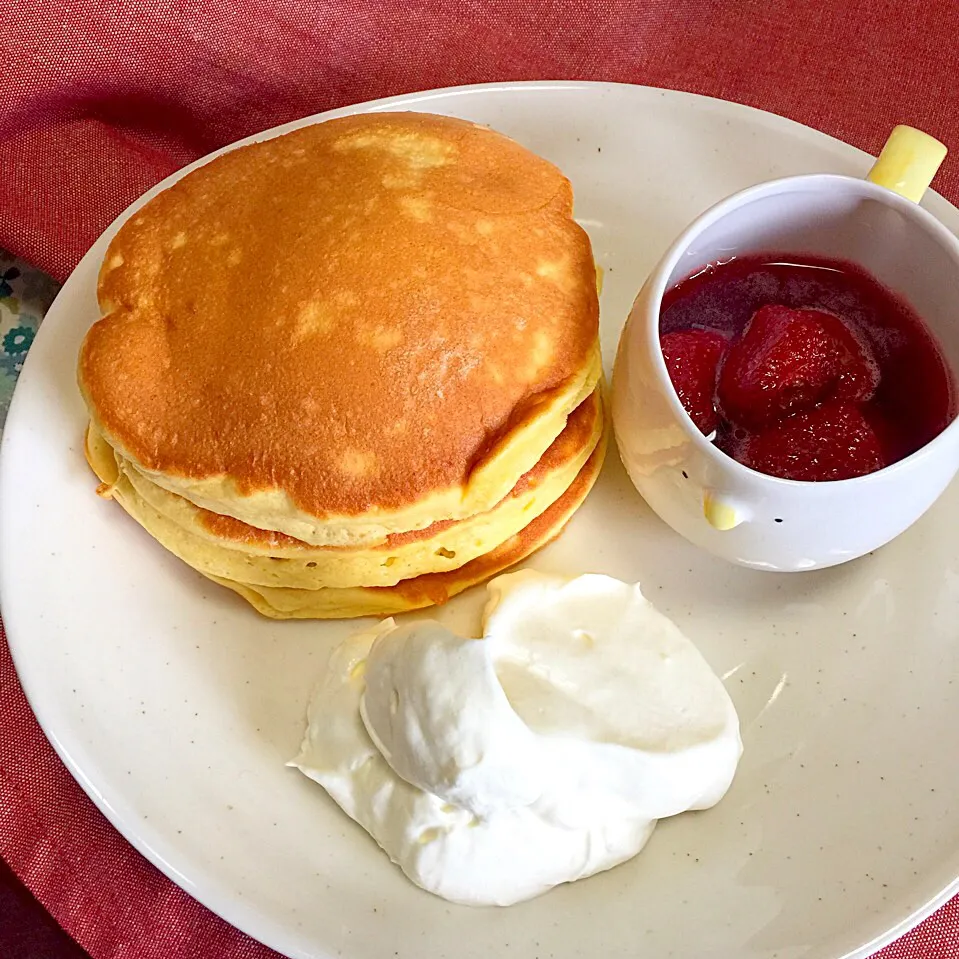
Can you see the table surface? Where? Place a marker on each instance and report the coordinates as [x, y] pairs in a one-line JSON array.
[[27, 931], [104, 111]]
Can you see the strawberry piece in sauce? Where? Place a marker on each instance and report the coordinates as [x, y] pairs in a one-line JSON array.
[[787, 361], [692, 358], [834, 441]]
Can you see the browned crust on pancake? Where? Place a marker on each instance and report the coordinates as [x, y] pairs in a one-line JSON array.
[[579, 429], [317, 314], [437, 588]]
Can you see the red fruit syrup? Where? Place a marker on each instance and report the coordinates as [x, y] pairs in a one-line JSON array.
[[825, 374]]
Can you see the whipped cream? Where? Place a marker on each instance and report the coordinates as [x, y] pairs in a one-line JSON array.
[[493, 769]]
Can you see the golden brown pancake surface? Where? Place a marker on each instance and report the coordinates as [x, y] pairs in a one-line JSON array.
[[431, 589], [355, 314], [579, 429], [322, 603], [237, 552]]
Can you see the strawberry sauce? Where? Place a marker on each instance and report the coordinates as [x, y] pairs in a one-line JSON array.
[[821, 373]]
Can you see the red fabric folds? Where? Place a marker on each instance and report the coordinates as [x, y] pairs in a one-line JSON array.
[[98, 101]]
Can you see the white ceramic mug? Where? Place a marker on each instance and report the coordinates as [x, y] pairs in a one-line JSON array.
[[717, 503]]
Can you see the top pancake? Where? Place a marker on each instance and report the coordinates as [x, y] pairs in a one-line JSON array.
[[358, 328]]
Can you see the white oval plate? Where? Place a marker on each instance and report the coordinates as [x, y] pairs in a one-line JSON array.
[[176, 707]]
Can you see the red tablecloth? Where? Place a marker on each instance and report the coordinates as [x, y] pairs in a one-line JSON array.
[[99, 100]]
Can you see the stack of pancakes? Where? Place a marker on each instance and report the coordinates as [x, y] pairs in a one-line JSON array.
[[353, 369]]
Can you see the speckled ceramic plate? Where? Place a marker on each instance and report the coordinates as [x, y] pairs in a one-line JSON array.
[[176, 707]]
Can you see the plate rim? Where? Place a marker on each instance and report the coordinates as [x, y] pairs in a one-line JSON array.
[[210, 891]]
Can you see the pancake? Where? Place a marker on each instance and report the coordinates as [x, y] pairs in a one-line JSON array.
[[224, 547], [357, 329], [430, 590], [347, 602]]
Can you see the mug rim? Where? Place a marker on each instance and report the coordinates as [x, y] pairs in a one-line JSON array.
[[656, 285]]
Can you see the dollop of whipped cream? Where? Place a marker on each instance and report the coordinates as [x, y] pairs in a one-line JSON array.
[[491, 770]]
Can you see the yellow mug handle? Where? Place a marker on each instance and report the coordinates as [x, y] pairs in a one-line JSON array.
[[908, 162]]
